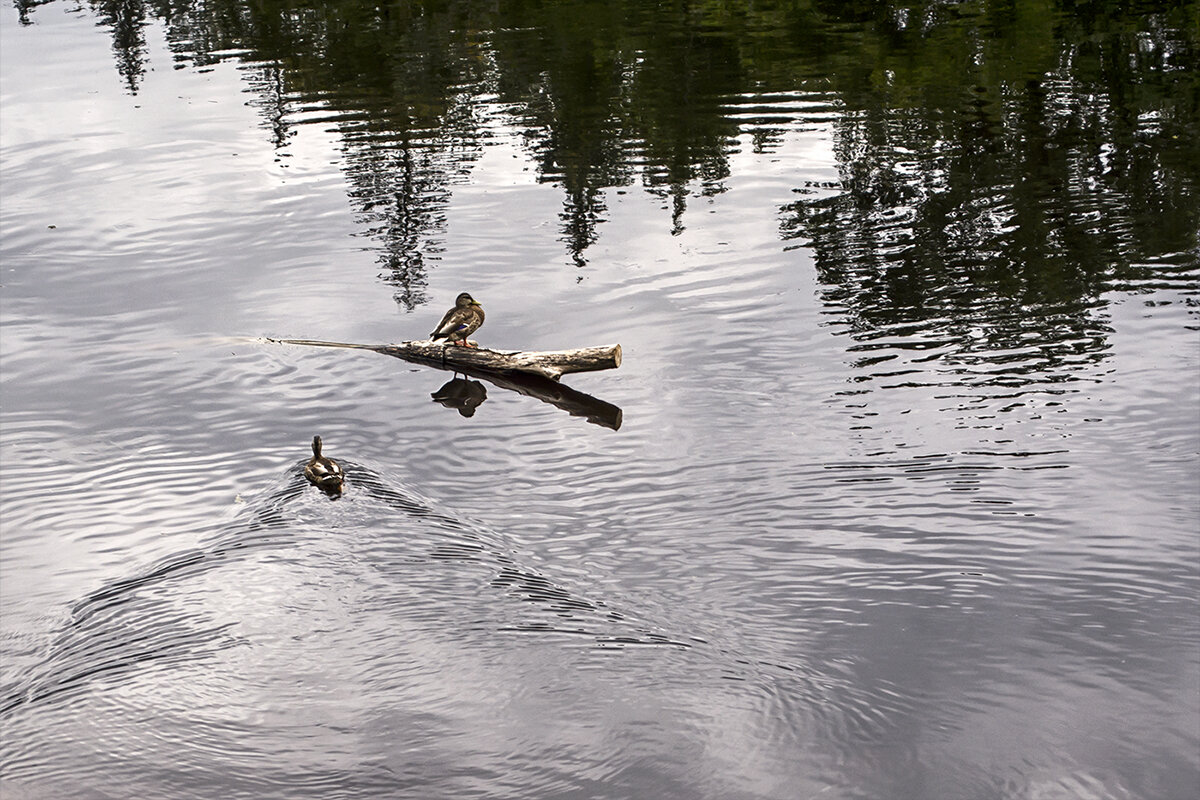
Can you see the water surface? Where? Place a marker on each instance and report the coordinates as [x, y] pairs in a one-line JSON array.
[[904, 497]]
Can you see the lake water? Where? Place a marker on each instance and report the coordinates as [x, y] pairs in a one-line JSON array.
[[903, 496]]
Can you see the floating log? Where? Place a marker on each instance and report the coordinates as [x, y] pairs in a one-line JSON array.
[[534, 374], [551, 364]]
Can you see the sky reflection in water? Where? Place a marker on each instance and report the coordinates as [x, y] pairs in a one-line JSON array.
[[903, 499]]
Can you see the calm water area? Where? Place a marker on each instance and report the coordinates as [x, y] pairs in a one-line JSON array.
[[895, 495]]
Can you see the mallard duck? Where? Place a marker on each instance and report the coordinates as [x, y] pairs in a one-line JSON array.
[[460, 321], [326, 473]]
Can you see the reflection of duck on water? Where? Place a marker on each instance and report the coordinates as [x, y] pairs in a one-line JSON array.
[[460, 321], [461, 393], [324, 472]]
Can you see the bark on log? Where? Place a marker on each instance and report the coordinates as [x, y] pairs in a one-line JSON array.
[[534, 374], [550, 364]]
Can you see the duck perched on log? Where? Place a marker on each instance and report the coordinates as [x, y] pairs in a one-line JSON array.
[[324, 472], [460, 321]]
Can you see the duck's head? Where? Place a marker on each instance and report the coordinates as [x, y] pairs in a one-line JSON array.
[[465, 301]]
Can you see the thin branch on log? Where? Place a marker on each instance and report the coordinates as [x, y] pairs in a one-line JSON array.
[[534, 374]]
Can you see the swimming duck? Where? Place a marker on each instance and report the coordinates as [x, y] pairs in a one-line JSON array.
[[460, 321], [326, 473]]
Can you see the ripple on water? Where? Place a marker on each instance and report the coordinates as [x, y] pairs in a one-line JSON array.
[[250, 613], [905, 511]]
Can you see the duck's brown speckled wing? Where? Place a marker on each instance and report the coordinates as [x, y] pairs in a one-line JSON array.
[[459, 323], [448, 324]]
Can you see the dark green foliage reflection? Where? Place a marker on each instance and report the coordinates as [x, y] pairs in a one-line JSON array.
[[988, 152]]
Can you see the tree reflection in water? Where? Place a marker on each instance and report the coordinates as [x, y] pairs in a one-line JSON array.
[[991, 157]]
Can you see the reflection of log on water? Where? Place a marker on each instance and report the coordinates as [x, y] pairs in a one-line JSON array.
[[575, 403], [534, 374]]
